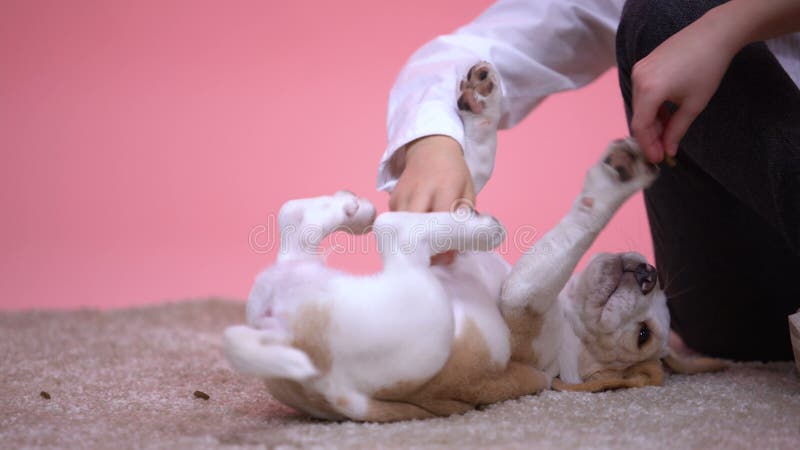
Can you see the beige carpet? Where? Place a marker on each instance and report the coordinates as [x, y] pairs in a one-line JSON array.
[[126, 378]]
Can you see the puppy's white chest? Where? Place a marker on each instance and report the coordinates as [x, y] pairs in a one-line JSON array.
[[473, 284]]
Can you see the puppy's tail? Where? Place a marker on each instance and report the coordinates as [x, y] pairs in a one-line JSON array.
[[250, 352]]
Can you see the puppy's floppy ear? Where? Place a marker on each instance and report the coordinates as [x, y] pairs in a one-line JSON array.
[[690, 365], [647, 373]]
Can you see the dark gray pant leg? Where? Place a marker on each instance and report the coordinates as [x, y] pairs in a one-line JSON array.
[[726, 221]]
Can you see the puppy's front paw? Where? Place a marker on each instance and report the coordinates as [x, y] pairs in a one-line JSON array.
[[480, 91], [627, 160], [621, 172]]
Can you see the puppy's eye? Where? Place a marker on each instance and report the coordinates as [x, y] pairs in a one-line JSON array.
[[644, 335]]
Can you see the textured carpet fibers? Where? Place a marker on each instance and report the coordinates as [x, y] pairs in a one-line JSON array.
[[126, 379]]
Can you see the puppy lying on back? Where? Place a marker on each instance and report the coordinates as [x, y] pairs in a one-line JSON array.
[[416, 341]]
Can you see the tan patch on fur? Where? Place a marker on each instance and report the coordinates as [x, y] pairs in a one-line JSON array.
[[292, 393], [310, 331], [468, 378], [384, 411], [525, 326], [646, 373]]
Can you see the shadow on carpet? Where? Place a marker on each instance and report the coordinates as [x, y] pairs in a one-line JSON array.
[[127, 378]]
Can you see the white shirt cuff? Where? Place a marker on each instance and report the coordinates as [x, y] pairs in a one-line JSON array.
[[429, 118]]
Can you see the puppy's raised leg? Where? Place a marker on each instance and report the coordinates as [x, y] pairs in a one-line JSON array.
[[410, 239], [536, 280], [304, 223], [263, 348]]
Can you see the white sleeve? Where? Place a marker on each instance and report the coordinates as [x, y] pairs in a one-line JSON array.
[[537, 46]]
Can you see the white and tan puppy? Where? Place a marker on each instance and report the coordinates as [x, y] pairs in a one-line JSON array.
[[416, 340]]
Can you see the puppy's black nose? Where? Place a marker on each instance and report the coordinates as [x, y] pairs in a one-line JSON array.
[[646, 277]]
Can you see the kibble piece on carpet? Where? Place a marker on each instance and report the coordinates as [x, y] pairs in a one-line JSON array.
[[135, 378]]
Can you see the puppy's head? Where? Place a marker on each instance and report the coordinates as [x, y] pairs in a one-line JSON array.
[[619, 314]]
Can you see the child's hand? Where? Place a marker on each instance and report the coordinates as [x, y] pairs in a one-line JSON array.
[[685, 70], [435, 178]]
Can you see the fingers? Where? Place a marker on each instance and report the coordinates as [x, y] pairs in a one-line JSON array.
[[420, 203], [394, 200], [424, 200], [398, 199], [447, 199], [648, 137], [469, 195], [677, 126], [444, 201], [645, 124], [414, 201], [661, 135]]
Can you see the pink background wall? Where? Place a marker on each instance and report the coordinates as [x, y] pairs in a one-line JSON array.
[[142, 141]]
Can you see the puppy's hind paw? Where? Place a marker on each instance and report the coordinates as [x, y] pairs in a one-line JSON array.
[[359, 213], [252, 352]]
